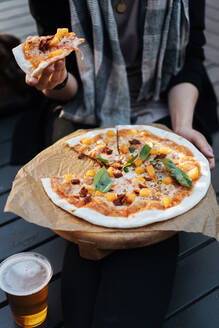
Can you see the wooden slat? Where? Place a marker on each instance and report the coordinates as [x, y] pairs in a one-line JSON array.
[[212, 13], [8, 4], [5, 217], [212, 39], [213, 72], [195, 276], [54, 251], [24, 20], [7, 174], [214, 4], [211, 54], [203, 314], [5, 150], [7, 127], [212, 25], [54, 309], [14, 13], [20, 235], [188, 242], [24, 31]]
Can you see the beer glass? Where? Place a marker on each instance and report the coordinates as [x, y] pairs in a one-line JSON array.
[[24, 277]]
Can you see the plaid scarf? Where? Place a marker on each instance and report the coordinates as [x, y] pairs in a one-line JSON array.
[[104, 98]]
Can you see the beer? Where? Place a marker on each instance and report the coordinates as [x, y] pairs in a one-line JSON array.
[[25, 277]]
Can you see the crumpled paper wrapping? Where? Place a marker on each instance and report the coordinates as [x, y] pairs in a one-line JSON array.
[[28, 200]]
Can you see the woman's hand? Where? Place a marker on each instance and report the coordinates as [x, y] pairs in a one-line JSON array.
[[51, 76], [182, 100], [199, 140]]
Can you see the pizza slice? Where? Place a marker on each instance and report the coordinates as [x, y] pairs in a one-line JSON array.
[[100, 145], [36, 53]]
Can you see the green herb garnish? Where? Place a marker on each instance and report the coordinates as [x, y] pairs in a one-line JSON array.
[[126, 170], [129, 163], [181, 176], [103, 160], [102, 180], [132, 149], [145, 151]]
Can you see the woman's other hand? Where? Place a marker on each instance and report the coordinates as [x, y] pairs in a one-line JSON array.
[[51, 76], [199, 140]]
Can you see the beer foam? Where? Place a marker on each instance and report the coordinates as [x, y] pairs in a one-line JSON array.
[[24, 273]]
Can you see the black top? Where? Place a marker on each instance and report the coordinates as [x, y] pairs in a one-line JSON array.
[[48, 17]]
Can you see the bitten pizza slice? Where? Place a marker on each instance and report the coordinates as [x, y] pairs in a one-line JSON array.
[[37, 52], [100, 145]]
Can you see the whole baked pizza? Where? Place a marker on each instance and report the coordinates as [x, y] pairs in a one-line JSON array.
[[145, 175]]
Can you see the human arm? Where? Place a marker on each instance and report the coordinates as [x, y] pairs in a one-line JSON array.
[[182, 99], [185, 87], [49, 15]]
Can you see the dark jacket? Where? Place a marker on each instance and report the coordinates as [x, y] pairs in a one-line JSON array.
[[51, 14]]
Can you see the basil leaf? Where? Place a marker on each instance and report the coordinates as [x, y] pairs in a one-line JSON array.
[[103, 160], [181, 176], [132, 149], [102, 180], [126, 170], [145, 151], [130, 161]]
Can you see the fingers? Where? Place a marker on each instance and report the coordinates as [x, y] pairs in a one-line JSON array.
[[51, 76], [200, 141]]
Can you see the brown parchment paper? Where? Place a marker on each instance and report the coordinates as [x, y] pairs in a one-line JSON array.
[[29, 201]]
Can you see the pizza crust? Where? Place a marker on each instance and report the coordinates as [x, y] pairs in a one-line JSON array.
[[148, 216], [26, 66], [74, 141]]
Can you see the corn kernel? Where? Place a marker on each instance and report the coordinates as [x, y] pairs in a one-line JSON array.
[[55, 53], [90, 190], [110, 197], [86, 141], [90, 173], [110, 133], [166, 201], [68, 177], [140, 179], [165, 150], [139, 170], [138, 162], [194, 173], [132, 131], [130, 197], [62, 31], [110, 171], [54, 41], [99, 194], [150, 171], [153, 151], [144, 192], [167, 180], [124, 149]]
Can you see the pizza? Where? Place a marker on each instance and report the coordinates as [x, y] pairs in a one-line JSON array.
[[145, 175], [99, 146], [37, 52]]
